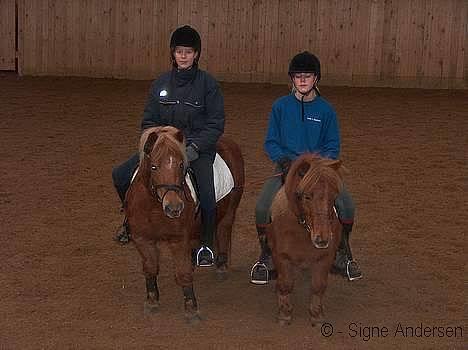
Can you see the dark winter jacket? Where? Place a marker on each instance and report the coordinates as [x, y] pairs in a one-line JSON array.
[[188, 100]]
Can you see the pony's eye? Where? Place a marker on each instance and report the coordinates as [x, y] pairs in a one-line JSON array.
[[308, 197], [154, 167]]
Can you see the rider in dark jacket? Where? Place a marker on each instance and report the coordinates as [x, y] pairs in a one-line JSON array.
[[189, 99]]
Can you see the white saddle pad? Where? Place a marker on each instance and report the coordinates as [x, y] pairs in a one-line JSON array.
[[223, 179]]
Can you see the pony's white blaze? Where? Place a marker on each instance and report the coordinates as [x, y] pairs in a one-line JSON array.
[[171, 161]]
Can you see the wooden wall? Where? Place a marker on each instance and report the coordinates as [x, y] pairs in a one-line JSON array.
[[401, 43], [7, 35]]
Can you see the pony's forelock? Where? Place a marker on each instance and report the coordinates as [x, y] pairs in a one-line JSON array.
[[165, 143], [321, 168], [317, 168]]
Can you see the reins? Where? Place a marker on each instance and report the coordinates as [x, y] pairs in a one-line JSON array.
[[261, 181]]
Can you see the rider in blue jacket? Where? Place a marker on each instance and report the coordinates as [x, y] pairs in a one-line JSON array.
[[300, 122], [189, 99]]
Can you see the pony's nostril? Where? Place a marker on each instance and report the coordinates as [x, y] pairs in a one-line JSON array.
[[173, 211], [180, 207], [320, 243]]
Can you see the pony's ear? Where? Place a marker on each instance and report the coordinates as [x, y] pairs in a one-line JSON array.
[[302, 169], [150, 141], [179, 136]]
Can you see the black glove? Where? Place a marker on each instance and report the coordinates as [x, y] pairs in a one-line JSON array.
[[192, 152], [284, 165]]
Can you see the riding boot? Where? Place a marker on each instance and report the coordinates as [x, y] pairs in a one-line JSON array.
[[263, 270], [205, 255], [344, 264], [122, 234]]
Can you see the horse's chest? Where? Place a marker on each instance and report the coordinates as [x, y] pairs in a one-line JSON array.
[[165, 228]]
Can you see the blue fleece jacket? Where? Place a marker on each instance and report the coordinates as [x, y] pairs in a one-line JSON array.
[[290, 136]]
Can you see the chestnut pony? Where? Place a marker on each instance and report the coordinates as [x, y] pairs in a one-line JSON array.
[[160, 208], [305, 230]]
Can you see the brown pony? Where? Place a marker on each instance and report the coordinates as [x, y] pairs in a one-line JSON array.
[[305, 230], [160, 208]]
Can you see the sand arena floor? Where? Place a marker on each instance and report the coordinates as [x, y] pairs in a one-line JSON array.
[[66, 285]]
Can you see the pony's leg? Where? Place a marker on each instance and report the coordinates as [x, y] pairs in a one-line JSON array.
[[284, 288], [319, 276], [152, 294], [149, 252], [223, 239], [181, 254]]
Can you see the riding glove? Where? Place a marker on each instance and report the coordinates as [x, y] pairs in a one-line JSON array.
[[192, 152], [284, 165]]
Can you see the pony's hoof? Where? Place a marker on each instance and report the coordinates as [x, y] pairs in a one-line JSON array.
[[316, 320], [193, 319], [284, 321], [221, 274], [150, 307]]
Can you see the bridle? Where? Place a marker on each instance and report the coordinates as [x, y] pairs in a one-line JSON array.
[[168, 187], [302, 217], [177, 188]]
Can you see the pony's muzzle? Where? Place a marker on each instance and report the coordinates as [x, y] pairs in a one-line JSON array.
[[174, 211], [320, 243]]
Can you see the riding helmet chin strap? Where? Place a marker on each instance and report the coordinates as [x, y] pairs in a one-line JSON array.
[[304, 94]]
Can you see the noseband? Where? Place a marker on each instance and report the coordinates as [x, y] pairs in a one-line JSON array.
[[302, 218], [177, 188], [172, 187]]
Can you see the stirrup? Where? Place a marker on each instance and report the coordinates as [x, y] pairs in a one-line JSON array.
[[205, 261], [348, 271], [259, 281]]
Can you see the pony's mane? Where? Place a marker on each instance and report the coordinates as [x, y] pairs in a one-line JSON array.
[[314, 168], [165, 144]]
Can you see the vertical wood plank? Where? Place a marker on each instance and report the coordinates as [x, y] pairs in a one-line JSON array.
[[258, 33], [376, 25], [20, 44], [246, 42], [7, 35], [271, 49], [204, 28], [312, 27], [303, 28], [327, 37], [427, 46], [343, 37], [27, 38], [389, 41], [458, 68], [403, 31], [360, 42], [212, 39], [441, 40]]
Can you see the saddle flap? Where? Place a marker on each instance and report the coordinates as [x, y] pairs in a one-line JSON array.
[[223, 179]]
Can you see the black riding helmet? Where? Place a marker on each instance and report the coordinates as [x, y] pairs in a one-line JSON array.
[[185, 36], [305, 62]]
